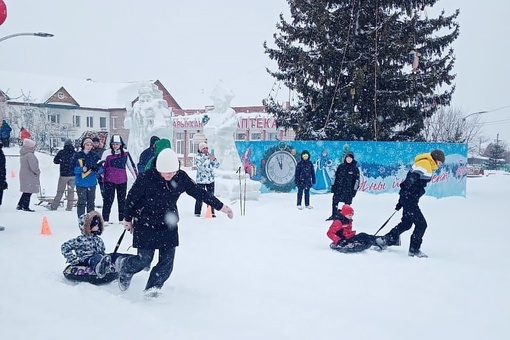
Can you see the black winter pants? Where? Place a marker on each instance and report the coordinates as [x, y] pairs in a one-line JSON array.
[[198, 204], [24, 200], [159, 273], [411, 215], [337, 199], [300, 192], [86, 198], [109, 195]]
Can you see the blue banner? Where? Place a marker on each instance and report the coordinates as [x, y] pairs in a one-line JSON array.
[[383, 165]]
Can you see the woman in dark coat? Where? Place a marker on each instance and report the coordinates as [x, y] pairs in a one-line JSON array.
[[151, 214], [304, 179], [346, 183], [3, 173]]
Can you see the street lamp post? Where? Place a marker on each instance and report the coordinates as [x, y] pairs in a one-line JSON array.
[[474, 113], [36, 34]]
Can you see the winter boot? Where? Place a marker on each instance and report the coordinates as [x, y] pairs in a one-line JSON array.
[[124, 278], [103, 266], [416, 253], [381, 243], [153, 292]]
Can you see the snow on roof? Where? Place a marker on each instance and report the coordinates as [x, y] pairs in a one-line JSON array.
[[86, 92], [476, 156]]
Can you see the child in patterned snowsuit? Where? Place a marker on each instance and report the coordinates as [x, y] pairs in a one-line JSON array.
[[345, 240], [205, 162], [88, 249]]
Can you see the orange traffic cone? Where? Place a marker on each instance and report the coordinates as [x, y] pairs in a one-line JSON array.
[[13, 174], [208, 213], [45, 229]]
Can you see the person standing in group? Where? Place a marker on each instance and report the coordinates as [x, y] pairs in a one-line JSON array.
[[29, 174], [159, 146], [5, 133], [24, 134], [206, 163], [151, 214], [86, 168], [98, 149], [3, 176], [304, 179], [411, 189], [115, 162], [66, 179], [346, 183], [146, 155]]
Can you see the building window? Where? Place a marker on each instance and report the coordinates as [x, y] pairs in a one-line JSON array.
[[272, 136], [256, 136], [102, 122], [241, 136], [114, 123], [76, 121], [179, 142], [90, 122], [191, 144], [54, 118]]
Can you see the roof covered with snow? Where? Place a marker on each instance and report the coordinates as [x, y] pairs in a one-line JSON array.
[[86, 92]]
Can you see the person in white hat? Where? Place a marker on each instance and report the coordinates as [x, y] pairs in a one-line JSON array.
[[151, 214], [205, 162]]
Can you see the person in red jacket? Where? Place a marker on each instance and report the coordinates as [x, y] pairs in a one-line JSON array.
[[345, 240], [24, 134]]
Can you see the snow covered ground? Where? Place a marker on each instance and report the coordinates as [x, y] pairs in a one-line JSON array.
[[270, 274]]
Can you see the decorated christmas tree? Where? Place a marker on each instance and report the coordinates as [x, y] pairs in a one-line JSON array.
[[362, 70]]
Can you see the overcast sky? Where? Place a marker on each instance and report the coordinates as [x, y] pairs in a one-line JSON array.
[[191, 45]]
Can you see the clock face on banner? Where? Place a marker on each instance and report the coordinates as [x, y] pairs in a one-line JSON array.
[[280, 168]]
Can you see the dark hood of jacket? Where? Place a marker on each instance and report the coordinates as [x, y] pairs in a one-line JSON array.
[[153, 141]]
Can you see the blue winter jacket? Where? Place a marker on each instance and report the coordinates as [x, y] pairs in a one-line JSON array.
[[90, 160]]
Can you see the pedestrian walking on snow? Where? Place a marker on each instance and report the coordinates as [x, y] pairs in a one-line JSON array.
[[152, 216]]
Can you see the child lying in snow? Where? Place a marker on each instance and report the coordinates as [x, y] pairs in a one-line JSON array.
[[345, 240]]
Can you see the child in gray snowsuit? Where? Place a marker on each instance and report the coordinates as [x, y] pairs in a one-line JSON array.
[[88, 249]]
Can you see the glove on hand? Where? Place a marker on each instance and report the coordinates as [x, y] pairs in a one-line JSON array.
[[4, 186], [398, 206]]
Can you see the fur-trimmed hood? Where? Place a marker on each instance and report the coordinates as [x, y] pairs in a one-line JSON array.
[[85, 220]]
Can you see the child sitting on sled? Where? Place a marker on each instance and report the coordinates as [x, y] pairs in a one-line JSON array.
[[345, 240], [88, 250]]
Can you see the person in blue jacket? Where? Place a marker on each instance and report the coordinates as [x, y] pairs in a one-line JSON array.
[[86, 167], [5, 133]]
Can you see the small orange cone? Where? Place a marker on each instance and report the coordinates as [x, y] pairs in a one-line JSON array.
[[45, 229], [13, 174], [208, 213]]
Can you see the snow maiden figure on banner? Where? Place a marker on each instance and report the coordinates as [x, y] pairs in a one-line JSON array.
[[322, 178], [149, 116]]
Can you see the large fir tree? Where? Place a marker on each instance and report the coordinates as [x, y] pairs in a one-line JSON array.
[[349, 62]]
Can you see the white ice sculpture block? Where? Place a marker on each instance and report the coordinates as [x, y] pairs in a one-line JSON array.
[[149, 116], [220, 131]]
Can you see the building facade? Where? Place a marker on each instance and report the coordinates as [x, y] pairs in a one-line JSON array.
[[55, 109]]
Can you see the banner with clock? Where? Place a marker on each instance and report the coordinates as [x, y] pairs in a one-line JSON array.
[[383, 165]]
